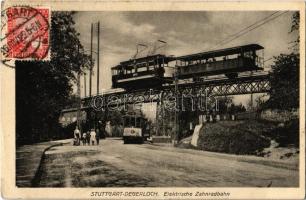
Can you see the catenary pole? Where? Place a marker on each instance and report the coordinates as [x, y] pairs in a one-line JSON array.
[[91, 62], [85, 85], [78, 91], [98, 59]]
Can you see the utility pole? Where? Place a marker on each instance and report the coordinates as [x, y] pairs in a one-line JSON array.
[[251, 103], [79, 98], [163, 115], [85, 87], [91, 63], [176, 106], [98, 59], [78, 92]]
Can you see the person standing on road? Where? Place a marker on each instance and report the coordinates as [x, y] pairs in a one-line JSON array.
[[77, 135], [92, 136], [97, 136], [88, 138], [84, 140]]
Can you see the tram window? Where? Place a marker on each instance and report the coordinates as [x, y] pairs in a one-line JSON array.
[[137, 122], [151, 67], [140, 65], [130, 121], [126, 121], [232, 56], [254, 54], [134, 70], [180, 63], [248, 54], [189, 63], [142, 69]]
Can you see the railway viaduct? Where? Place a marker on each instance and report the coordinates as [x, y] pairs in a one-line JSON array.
[[173, 95], [209, 88]]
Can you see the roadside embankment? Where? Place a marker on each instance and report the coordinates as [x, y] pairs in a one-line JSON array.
[[28, 161], [275, 141]]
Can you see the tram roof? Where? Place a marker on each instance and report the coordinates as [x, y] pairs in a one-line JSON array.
[[221, 52], [143, 59]]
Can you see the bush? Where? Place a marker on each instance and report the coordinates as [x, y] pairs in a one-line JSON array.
[[231, 137], [117, 131], [288, 134], [68, 131]]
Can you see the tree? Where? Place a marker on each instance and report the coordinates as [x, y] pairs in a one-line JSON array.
[[233, 109], [43, 89], [284, 93], [224, 103], [261, 101], [295, 27]]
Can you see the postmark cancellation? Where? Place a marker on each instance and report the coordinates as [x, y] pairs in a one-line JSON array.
[[25, 33]]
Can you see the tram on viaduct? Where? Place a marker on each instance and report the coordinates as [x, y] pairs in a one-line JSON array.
[[231, 71]]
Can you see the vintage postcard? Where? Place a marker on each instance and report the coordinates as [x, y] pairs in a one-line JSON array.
[[152, 100]]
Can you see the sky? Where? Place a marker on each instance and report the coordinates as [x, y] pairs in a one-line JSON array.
[[185, 32]]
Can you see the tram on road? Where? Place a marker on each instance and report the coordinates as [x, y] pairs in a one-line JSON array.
[[135, 128], [144, 72], [229, 62]]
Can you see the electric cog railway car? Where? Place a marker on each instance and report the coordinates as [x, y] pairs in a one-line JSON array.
[[145, 72], [228, 61], [135, 129]]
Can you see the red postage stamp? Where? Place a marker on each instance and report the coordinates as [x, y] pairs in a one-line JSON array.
[[26, 33]]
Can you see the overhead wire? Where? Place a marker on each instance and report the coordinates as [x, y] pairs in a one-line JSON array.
[[263, 19], [247, 30]]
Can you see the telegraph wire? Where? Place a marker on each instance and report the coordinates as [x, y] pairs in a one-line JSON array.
[[247, 31], [268, 59], [263, 19]]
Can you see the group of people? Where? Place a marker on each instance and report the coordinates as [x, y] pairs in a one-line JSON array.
[[91, 137]]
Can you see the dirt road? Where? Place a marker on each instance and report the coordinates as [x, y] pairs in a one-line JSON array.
[[113, 164]]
